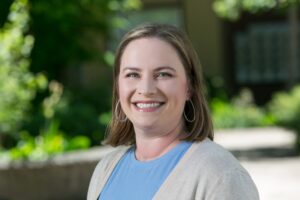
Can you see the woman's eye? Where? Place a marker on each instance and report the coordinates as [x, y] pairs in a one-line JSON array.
[[132, 75], [164, 74]]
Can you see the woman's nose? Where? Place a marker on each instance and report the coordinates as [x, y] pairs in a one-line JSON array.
[[147, 86]]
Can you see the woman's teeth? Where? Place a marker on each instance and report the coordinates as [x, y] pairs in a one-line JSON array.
[[147, 105]]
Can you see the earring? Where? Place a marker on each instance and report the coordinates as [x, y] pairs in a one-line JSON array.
[[185, 116], [117, 112]]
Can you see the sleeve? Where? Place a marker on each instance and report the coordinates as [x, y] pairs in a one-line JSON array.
[[95, 181], [103, 171], [234, 185]]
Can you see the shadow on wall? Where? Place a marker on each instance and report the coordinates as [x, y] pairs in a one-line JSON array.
[[264, 153]]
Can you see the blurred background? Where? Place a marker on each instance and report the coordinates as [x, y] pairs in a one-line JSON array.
[[56, 61]]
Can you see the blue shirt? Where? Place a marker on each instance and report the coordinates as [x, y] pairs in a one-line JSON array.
[[136, 180]]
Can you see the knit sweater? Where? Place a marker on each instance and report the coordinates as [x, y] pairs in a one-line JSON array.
[[206, 172]]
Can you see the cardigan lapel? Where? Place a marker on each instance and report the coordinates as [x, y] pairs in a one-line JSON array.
[[101, 179], [179, 168]]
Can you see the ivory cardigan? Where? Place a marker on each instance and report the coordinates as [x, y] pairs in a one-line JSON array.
[[206, 172]]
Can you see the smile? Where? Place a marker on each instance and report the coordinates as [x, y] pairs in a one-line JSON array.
[[147, 106]]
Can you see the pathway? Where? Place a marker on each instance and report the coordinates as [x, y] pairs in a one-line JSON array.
[[269, 157]]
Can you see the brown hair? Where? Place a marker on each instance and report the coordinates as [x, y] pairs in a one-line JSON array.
[[122, 132]]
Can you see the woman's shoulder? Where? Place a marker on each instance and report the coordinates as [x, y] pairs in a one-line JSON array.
[[103, 170], [223, 172], [214, 156], [228, 178], [111, 158], [212, 172]]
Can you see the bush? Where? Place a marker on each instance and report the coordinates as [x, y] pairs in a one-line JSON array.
[[240, 112], [51, 141], [285, 107], [79, 118]]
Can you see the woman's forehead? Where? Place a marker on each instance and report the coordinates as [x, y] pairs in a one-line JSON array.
[[152, 52]]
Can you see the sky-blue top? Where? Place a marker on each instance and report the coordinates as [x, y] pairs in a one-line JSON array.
[[136, 180]]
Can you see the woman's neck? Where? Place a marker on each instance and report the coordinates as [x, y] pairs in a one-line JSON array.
[[149, 150], [150, 146]]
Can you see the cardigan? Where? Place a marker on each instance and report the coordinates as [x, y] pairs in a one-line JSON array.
[[206, 172]]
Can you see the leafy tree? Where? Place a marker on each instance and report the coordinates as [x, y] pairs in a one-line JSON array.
[[4, 10], [69, 33], [17, 84], [49, 36], [232, 9]]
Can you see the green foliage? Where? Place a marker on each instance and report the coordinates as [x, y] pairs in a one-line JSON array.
[[215, 88], [63, 35], [105, 118], [240, 112], [76, 117], [4, 10], [50, 142], [232, 9], [69, 33], [285, 107], [18, 85], [51, 103], [80, 118]]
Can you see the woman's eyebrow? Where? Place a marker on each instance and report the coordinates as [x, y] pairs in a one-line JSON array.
[[156, 69], [164, 68], [131, 68]]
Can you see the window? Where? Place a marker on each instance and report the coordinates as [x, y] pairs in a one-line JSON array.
[[262, 53]]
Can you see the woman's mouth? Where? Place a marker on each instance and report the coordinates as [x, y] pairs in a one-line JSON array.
[[147, 106]]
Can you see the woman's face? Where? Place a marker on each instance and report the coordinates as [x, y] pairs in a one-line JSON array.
[[152, 85]]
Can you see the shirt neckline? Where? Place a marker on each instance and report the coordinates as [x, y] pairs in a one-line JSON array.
[[172, 152]]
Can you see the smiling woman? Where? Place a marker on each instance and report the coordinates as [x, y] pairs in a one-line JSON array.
[[156, 94], [162, 127]]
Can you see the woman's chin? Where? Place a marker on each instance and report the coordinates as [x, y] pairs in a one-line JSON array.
[[146, 124]]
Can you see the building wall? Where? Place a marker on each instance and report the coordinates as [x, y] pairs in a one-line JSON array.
[[205, 31]]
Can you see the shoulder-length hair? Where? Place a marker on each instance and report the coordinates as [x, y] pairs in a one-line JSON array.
[[121, 132]]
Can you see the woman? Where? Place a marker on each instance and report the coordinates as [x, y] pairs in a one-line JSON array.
[[162, 128]]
